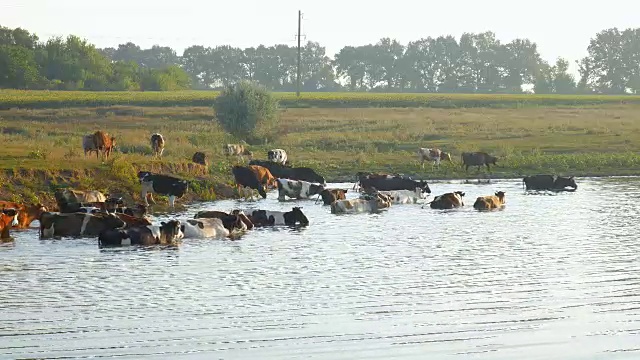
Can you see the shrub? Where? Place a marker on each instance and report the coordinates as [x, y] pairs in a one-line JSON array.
[[240, 108]]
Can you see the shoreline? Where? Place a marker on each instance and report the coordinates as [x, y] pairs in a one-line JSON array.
[[207, 188]]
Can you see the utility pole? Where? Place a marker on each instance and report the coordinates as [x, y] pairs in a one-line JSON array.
[[299, 35]]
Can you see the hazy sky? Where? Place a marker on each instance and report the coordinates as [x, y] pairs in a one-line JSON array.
[[559, 27]]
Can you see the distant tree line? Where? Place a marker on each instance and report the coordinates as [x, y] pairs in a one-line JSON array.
[[475, 63]]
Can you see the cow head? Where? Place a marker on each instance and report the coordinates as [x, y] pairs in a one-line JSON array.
[[445, 156], [9, 217], [245, 219], [296, 216], [111, 221], [500, 195], [315, 189], [424, 186], [143, 174], [170, 232], [492, 159], [232, 222], [563, 182]]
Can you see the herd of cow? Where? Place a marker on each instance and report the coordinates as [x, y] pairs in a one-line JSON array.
[[91, 213]]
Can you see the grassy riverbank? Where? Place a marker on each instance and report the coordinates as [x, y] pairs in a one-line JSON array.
[[42, 147]]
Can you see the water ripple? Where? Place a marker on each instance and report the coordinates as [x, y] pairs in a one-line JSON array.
[[549, 277]]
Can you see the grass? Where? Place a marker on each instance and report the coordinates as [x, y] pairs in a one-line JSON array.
[[42, 147], [67, 99]]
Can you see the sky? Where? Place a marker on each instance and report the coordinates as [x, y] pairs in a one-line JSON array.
[[560, 28]]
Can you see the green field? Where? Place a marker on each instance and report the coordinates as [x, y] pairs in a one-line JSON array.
[[66, 99], [42, 146]]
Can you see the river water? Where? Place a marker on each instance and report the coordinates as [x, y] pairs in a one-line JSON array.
[[548, 277]]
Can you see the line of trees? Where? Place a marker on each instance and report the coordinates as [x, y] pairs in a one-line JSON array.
[[475, 63]]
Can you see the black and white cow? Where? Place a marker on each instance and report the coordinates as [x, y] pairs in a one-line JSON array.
[[161, 184], [290, 218], [167, 233], [297, 189], [277, 156]]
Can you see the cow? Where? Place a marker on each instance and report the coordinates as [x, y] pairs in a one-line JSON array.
[[139, 210], [278, 156], [280, 171], [370, 203], [237, 150], [448, 201], [70, 201], [157, 144], [490, 202], [264, 175], [549, 182], [404, 196], [362, 175], [132, 221], [394, 183], [77, 224], [330, 195], [103, 143], [167, 233], [212, 214], [8, 219], [200, 158], [435, 155], [26, 213], [230, 226], [276, 218], [297, 189], [160, 184], [478, 159], [245, 178], [88, 145]]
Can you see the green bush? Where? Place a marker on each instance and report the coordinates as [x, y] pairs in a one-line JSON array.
[[240, 108]]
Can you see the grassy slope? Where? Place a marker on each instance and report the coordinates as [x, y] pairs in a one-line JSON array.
[[42, 148]]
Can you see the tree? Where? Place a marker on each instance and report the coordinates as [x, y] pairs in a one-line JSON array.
[[241, 107]]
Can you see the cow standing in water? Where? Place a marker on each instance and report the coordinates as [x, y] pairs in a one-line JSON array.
[[550, 182], [157, 144], [490, 202]]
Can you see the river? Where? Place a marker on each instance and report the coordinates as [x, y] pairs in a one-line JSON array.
[[548, 277]]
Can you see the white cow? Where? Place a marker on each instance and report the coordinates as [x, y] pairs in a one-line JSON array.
[[435, 155], [297, 189], [353, 206], [277, 155], [209, 228], [404, 196]]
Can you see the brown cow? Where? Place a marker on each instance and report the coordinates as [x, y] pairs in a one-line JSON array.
[[448, 201], [103, 143], [490, 202], [331, 195], [26, 213], [132, 221], [7, 219], [264, 176], [478, 159]]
